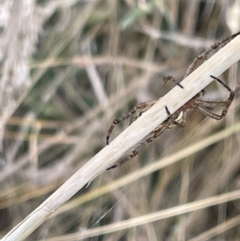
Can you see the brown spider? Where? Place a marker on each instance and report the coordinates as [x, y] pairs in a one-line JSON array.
[[178, 118]]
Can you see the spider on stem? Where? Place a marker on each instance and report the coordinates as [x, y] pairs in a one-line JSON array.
[[178, 118]]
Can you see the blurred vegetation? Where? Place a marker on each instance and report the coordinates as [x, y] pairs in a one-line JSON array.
[[68, 68]]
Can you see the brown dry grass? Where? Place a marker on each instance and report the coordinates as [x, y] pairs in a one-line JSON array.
[[93, 61]]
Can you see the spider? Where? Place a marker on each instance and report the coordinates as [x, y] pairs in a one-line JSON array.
[[178, 118]]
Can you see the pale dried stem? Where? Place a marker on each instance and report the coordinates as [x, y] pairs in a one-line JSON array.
[[218, 230], [152, 217]]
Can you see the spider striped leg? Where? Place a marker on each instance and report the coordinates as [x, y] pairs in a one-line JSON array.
[[213, 49], [119, 120], [169, 79], [154, 134], [203, 104], [139, 109], [172, 82], [167, 124]]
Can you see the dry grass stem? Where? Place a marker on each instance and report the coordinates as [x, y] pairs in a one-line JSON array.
[[153, 217]]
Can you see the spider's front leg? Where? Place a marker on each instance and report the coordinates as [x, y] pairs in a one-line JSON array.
[[135, 112], [119, 120], [208, 52], [171, 81]]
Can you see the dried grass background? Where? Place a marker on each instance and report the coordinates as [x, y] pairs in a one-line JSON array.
[[68, 68]]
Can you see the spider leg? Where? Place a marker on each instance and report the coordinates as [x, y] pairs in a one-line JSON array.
[[211, 114], [213, 104], [169, 80], [154, 134], [172, 82], [143, 107], [209, 103], [179, 120], [119, 120], [226, 103], [129, 157], [224, 85], [139, 109], [214, 48]]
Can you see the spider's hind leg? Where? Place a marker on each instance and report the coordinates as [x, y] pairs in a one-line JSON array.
[[202, 104], [224, 85]]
